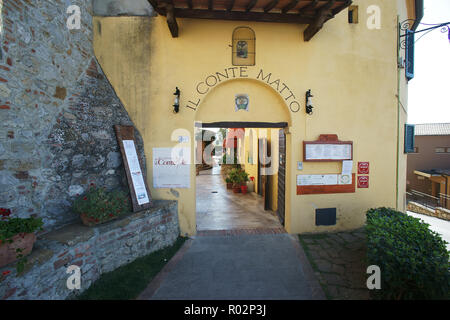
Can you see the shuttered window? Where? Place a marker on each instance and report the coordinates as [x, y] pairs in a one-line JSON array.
[[409, 138], [409, 50]]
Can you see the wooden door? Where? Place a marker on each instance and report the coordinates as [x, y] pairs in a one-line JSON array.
[[281, 176], [263, 179]]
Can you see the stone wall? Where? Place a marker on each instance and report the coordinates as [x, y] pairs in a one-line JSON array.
[[95, 250], [441, 213], [57, 112]]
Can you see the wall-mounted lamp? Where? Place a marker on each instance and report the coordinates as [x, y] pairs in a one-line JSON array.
[[309, 106], [176, 104]]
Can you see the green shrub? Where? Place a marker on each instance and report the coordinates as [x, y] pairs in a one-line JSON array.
[[413, 260], [100, 205]]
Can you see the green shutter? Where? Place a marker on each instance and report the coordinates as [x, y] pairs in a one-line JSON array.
[[409, 52], [409, 138]]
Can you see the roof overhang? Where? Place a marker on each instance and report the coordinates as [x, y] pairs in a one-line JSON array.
[[418, 8], [314, 13]]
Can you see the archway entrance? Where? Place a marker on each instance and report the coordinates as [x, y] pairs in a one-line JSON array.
[[254, 142], [259, 150]]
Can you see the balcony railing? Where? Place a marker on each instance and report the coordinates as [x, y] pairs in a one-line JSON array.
[[424, 199]]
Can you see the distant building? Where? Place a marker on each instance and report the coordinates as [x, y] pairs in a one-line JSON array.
[[428, 168]]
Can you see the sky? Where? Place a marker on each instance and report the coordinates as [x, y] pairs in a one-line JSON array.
[[428, 92]]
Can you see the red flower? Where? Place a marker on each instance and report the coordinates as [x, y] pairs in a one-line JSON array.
[[5, 212], [96, 220], [85, 198], [111, 215], [5, 273]]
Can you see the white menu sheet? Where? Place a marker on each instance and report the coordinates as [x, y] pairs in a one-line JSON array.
[[328, 151], [171, 167], [135, 172]]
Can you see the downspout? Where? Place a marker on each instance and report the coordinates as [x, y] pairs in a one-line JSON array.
[[398, 115]]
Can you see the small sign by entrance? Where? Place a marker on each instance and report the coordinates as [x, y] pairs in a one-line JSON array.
[[363, 167], [363, 181]]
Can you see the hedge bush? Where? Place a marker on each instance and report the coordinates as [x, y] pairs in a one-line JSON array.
[[413, 260]]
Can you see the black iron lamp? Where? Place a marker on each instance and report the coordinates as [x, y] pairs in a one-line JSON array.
[[309, 106], [176, 104]]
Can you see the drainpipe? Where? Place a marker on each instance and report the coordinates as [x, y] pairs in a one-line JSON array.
[[398, 114]]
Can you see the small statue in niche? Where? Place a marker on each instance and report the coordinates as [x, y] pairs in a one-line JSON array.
[[242, 49]]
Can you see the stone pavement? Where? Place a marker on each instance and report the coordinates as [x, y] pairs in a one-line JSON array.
[[237, 267], [338, 260], [221, 209]]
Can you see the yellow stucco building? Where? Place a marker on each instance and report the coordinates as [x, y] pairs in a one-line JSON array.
[[351, 66]]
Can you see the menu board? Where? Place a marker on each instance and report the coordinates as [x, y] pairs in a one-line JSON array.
[[328, 151], [135, 171], [327, 148], [139, 192], [323, 179]]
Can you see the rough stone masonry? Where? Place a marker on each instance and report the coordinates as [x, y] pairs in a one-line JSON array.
[[57, 112]]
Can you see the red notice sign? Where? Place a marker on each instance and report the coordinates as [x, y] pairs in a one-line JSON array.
[[363, 167], [363, 181]]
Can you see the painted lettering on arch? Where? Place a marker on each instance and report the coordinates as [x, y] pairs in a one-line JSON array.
[[203, 87]]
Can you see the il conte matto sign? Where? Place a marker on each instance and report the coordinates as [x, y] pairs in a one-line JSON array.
[[204, 86]]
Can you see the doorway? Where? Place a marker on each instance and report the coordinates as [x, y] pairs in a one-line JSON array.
[[219, 208]]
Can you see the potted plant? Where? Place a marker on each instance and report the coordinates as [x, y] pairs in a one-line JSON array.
[[236, 180], [16, 238], [229, 183], [244, 179], [98, 206]]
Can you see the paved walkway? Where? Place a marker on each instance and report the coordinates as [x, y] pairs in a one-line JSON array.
[[437, 225], [338, 260], [221, 209], [237, 267]]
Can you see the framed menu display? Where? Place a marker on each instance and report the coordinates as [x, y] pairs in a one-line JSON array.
[[327, 148], [140, 195]]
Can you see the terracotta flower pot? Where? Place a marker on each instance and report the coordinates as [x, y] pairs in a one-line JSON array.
[[88, 221], [236, 189], [24, 241], [244, 189], [229, 185]]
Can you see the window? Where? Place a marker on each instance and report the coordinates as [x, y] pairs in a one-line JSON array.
[[409, 52], [353, 14], [243, 47], [442, 150], [409, 138]]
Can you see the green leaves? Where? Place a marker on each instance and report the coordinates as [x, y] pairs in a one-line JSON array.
[[100, 205], [414, 261], [12, 226]]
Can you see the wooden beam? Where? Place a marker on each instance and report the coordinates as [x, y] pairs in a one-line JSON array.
[[342, 7], [241, 16], [210, 4], [325, 13], [309, 6], [270, 5], [250, 5], [190, 5], [289, 6], [154, 4], [171, 21], [230, 6], [239, 124]]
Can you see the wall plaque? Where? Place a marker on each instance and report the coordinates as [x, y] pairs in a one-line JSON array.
[[140, 195], [363, 167], [363, 181], [327, 148], [171, 167]]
